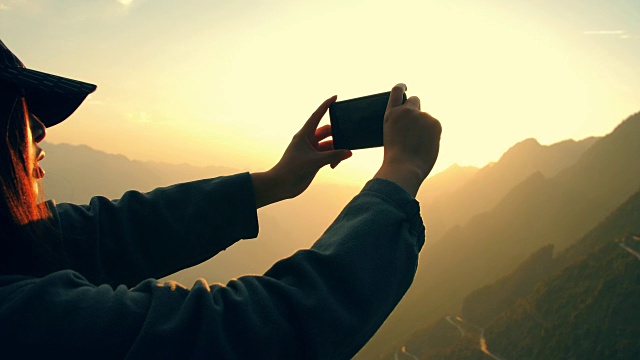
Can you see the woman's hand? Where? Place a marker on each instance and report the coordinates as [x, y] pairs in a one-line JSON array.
[[411, 142], [307, 153]]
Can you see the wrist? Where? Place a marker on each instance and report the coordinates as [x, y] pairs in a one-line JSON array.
[[406, 176], [267, 188]]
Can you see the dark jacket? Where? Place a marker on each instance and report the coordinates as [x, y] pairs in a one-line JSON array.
[[321, 303]]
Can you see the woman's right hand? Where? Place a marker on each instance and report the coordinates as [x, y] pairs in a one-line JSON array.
[[411, 142]]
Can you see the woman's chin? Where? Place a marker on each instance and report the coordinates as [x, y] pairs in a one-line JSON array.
[[37, 175]]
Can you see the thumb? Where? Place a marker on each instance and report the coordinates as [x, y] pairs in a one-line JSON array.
[[334, 157]]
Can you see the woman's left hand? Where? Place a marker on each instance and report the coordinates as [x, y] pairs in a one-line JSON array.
[[307, 153]]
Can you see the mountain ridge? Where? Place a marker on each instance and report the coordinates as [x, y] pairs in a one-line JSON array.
[[525, 185], [538, 211], [490, 184], [75, 173]]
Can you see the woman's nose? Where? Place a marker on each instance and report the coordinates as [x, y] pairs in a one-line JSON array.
[[38, 130]]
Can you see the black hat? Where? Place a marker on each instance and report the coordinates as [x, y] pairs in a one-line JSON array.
[[51, 98]]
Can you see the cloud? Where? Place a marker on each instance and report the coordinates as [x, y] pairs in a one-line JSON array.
[[604, 32], [617, 33], [140, 117]]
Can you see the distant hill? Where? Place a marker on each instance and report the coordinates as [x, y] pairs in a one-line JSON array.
[[583, 305], [486, 187], [587, 311], [541, 210], [537, 203], [485, 304], [440, 187], [76, 173]]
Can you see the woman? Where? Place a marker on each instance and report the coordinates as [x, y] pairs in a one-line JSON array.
[[19, 208], [79, 281]]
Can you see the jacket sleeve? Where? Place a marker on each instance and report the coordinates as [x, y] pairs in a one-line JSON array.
[[321, 303], [158, 233]]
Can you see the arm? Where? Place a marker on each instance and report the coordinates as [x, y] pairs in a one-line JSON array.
[[324, 302], [158, 233], [320, 303], [169, 229]]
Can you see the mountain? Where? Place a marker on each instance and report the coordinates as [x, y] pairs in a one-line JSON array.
[[589, 309], [538, 203], [485, 304], [489, 185], [583, 307], [541, 210], [441, 186], [284, 228], [76, 173]]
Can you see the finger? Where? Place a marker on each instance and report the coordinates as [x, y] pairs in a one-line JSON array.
[[346, 156], [323, 132], [310, 126], [413, 102], [335, 157], [395, 99], [325, 146]]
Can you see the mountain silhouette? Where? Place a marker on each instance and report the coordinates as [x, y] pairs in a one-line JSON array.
[[482, 223], [76, 173], [489, 185], [593, 297], [583, 305], [541, 210], [444, 184]]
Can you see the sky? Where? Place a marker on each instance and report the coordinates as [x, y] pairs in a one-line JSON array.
[[228, 83]]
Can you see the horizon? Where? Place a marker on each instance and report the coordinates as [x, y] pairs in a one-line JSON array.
[[327, 180], [192, 83]]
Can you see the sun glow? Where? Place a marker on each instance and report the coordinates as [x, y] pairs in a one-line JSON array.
[[229, 84]]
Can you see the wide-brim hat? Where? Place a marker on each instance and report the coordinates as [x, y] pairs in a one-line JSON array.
[[51, 98]]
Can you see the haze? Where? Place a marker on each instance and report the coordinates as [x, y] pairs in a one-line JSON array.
[[228, 83]]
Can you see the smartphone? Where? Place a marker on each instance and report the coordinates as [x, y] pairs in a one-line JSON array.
[[357, 123]]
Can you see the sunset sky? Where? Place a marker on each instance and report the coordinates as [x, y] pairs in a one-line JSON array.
[[229, 82]]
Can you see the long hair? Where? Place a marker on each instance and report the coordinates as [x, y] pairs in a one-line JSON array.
[[23, 246]]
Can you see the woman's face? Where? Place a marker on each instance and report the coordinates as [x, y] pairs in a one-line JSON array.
[[37, 132]]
